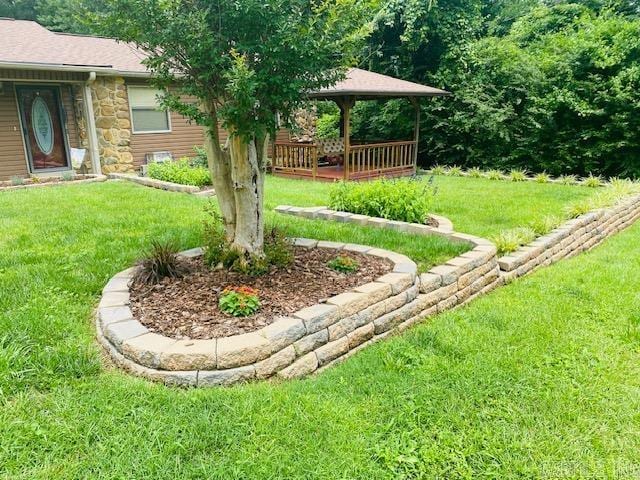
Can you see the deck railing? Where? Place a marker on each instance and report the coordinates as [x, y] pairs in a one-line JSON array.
[[364, 160], [295, 158], [380, 158]]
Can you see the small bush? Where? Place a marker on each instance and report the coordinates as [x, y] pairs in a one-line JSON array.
[[474, 172], [568, 179], [161, 261], [517, 175], [239, 301], [438, 170], [17, 180], [545, 224], [592, 181], [579, 208], [510, 240], [344, 264], [278, 250], [68, 175], [406, 200], [180, 172], [454, 171], [542, 178], [495, 174], [200, 160]]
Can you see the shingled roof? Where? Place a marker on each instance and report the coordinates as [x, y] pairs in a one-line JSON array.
[[364, 84], [28, 43]]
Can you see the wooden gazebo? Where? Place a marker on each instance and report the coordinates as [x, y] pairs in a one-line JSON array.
[[356, 160]]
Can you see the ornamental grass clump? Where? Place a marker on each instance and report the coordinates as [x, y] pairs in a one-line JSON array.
[[454, 171], [494, 174], [518, 175], [509, 241], [545, 224], [239, 301], [344, 264], [474, 172], [542, 178], [407, 200], [592, 181], [438, 170], [160, 262], [567, 179]]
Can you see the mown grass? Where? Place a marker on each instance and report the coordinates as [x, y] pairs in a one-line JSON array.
[[538, 379], [478, 206]]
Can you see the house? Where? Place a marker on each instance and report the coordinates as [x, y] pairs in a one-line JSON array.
[[77, 102], [61, 92]]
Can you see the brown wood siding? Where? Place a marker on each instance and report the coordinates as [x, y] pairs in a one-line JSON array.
[[179, 141], [42, 75], [12, 158]]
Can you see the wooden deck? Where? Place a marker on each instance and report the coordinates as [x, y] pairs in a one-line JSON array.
[[365, 161]]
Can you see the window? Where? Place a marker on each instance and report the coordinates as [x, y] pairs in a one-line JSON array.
[[146, 115]]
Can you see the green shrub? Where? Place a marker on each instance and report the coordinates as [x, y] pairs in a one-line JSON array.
[[17, 180], [328, 126], [344, 264], [494, 174], [68, 175], [200, 160], [542, 178], [592, 181], [517, 175], [180, 172], [278, 249], [161, 260], [509, 241], [454, 171], [545, 224], [438, 170], [239, 301], [579, 208], [474, 172], [567, 179], [404, 199]]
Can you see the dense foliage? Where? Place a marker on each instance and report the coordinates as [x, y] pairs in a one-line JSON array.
[[542, 86], [407, 200], [181, 171]]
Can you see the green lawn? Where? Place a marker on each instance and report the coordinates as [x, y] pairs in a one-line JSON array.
[[538, 379], [475, 205]]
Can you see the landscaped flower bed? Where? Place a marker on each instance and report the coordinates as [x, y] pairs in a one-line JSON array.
[[188, 306]]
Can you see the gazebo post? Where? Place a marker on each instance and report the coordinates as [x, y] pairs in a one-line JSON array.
[[416, 131], [345, 104]]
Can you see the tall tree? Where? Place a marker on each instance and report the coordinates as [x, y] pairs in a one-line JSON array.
[[244, 61]]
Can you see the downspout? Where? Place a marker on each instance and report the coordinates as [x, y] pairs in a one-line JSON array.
[[91, 125]]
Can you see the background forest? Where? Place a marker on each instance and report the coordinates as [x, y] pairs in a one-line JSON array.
[[543, 85]]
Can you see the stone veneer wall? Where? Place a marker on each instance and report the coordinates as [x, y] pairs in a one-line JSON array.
[[113, 124]]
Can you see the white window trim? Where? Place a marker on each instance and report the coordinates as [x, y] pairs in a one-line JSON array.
[[145, 132]]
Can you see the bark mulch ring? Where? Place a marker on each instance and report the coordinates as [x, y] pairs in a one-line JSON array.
[[187, 307]]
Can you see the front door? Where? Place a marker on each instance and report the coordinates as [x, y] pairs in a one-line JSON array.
[[42, 127]]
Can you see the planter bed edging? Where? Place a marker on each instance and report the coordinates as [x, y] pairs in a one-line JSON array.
[[309, 340], [162, 185], [81, 179]]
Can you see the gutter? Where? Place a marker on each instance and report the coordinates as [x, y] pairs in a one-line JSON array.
[[94, 152], [102, 70]]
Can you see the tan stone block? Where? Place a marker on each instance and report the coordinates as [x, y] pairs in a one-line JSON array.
[[146, 349], [123, 123], [189, 355], [311, 342], [398, 281], [376, 291], [240, 350], [318, 317], [275, 362], [360, 335], [332, 350], [349, 303], [106, 122], [301, 367], [226, 377], [283, 332]]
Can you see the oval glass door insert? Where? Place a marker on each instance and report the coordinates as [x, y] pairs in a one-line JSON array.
[[42, 125]]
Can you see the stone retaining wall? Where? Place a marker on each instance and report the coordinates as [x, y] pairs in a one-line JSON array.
[[162, 185], [311, 338], [573, 237]]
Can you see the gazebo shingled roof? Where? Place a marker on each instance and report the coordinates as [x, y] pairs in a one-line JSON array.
[[364, 84]]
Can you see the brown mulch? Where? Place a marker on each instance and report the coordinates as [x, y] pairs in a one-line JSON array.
[[187, 307]]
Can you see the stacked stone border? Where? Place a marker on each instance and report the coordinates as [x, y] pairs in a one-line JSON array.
[[312, 338], [571, 238], [78, 179], [162, 185]]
